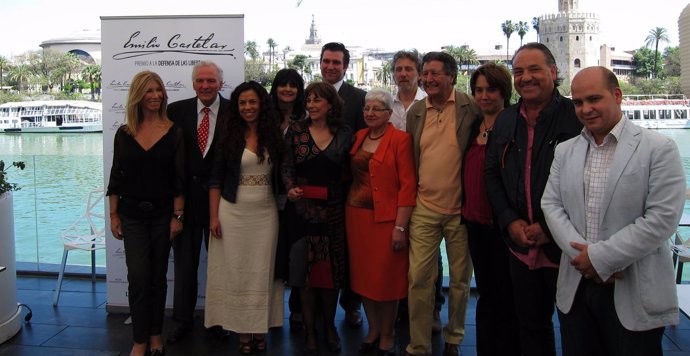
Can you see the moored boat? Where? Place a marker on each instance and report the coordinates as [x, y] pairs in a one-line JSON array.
[[658, 113], [51, 116]]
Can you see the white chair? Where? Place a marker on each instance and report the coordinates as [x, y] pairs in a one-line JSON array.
[[87, 233], [681, 254]]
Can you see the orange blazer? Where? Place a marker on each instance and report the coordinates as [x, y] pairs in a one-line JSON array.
[[392, 172]]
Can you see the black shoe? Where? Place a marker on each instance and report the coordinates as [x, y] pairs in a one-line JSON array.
[[311, 352], [389, 352], [354, 318], [217, 332], [368, 347], [295, 324], [451, 350], [334, 346], [157, 352], [178, 334]]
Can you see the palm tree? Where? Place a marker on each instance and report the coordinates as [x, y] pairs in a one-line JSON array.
[[271, 51], [384, 75], [93, 73], [286, 50], [3, 65], [252, 50], [656, 35], [508, 28], [19, 73], [535, 26], [522, 28]]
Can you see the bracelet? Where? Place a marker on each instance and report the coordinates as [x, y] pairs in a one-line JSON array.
[[402, 229]]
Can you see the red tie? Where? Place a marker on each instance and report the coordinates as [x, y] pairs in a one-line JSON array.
[[202, 132]]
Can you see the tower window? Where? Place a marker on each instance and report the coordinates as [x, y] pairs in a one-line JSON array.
[[561, 38], [577, 63], [577, 38]]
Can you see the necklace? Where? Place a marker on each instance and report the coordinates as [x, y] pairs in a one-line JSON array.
[[375, 138], [486, 131]]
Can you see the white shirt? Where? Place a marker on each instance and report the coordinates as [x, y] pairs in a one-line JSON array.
[[399, 115], [597, 167], [339, 84], [212, 117]]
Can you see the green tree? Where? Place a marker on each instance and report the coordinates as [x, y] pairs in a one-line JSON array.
[[672, 61], [535, 26], [644, 60], [19, 73], [464, 55], [92, 73], [656, 35], [252, 50], [272, 44], [508, 28], [298, 63], [522, 28], [4, 63]]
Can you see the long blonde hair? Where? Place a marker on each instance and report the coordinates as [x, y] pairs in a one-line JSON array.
[[137, 91]]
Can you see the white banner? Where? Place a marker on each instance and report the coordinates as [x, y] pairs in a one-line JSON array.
[[169, 46]]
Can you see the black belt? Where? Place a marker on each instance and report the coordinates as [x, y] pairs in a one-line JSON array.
[[146, 206]]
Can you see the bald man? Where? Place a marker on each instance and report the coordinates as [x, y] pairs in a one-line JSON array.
[[614, 196]]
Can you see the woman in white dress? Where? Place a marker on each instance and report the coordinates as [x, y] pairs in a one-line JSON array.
[[241, 293]]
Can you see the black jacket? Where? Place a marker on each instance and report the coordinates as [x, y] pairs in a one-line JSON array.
[[197, 167], [504, 168]]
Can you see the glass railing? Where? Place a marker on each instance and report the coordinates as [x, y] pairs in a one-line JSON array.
[[60, 171], [53, 195]]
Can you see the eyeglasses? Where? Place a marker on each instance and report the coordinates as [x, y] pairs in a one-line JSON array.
[[366, 109]]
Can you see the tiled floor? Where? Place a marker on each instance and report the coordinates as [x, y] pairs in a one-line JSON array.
[[80, 326]]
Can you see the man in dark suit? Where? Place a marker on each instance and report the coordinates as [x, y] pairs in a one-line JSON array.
[[199, 117], [335, 59]]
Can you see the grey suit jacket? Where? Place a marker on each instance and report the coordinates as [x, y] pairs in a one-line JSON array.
[[466, 113], [642, 205]]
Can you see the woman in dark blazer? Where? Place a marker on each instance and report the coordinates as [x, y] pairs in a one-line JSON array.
[[378, 210]]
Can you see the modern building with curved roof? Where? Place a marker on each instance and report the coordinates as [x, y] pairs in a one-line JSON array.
[[85, 44]]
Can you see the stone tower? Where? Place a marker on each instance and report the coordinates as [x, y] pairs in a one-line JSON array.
[[313, 36], [572, 36]]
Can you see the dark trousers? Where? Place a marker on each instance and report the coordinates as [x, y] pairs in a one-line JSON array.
[[187, 249], [534, 292], [495, 306], [592, 327], [295, 303], [147, 247]]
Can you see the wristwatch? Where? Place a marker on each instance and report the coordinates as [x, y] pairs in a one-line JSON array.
[[178, 217], [402, 229]]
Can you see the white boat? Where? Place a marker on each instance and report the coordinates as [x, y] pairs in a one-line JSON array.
[[51, 116], [658, 113]]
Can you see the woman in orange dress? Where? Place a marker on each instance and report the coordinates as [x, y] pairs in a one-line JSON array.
[[378, 211]]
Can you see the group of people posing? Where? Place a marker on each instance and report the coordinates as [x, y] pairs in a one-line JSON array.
[[337, 192]]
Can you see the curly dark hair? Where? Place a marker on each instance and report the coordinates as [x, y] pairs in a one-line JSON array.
[[289, 76], [235, 128], [327, 91]]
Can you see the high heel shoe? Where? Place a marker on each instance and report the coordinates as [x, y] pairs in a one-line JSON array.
[[367, 347], [247, 348], [259, 343]]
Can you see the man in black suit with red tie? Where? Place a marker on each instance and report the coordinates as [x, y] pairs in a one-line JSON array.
[[200, 118], [335, 59]]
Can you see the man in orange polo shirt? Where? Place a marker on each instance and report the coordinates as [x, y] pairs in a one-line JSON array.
[[440, 127]]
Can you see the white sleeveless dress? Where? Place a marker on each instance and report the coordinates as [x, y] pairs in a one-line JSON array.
[[241, 294]]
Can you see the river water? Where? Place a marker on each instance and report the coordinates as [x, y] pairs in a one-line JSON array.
[[60, 171]]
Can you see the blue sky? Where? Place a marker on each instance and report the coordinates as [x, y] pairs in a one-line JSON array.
[[388, 24]]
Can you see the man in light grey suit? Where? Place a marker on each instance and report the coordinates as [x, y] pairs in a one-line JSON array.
[[614, 196]]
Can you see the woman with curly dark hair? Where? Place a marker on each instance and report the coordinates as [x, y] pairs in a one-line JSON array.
[[313, 170], [241, 292]]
